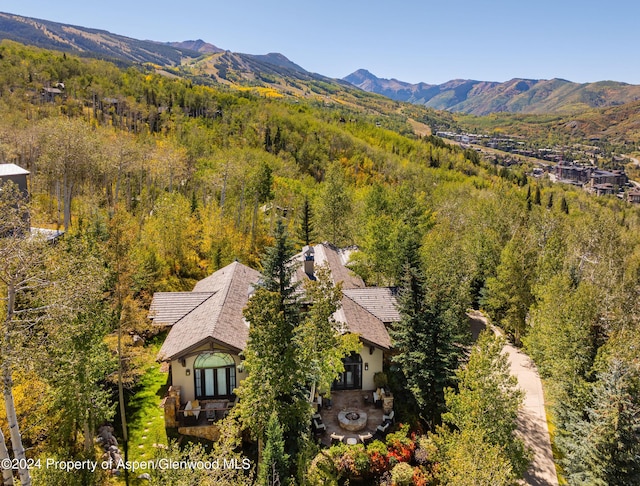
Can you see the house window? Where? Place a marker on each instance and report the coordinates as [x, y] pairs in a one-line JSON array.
[[351, 379], [215, 375]]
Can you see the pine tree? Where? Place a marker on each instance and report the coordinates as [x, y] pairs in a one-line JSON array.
[[424, 340], [268, 143], [603, 446], [274, 465], [306, 223], [537, 197], [278, 142], [275, 379], [564, 206], [550, 201]]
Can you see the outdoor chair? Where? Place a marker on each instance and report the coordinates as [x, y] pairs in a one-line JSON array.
[[384, 427], [335, 438], [318, 425], [366, 438]]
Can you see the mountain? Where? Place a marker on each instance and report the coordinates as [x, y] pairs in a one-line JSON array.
[[89, 42], [517, 95], [186, 57], [196, 45]]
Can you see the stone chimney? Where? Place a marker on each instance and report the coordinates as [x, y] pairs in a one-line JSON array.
[[309, 261]]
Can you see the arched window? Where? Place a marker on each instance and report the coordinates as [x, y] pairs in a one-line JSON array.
[[215, 375]]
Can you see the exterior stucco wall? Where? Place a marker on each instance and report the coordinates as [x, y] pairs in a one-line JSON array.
[[373, 362]]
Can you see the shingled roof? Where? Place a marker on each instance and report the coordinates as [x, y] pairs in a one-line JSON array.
[[167, 308], [217, 318], [380, 301], [372, 330], [365, 310], [213, 311]]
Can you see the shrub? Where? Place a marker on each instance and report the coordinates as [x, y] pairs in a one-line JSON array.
[[378, 451], [400, 446], [426, 451], [358, 461], [421, 477], [380, 379], [402, 474], [322, 471]]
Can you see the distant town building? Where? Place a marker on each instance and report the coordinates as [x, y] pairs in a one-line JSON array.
[[633, 196], [617, 178], [599, 180]]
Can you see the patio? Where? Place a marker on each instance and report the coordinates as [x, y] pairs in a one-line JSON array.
[[350, 400]]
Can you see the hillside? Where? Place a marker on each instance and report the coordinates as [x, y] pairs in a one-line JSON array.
[[89, 42], [516, 96], [619, 125]]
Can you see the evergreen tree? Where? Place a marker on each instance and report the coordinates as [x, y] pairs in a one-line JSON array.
[[306, 223], [537, 198], [564, 206], [268, 143], [550, 201], [603, 446], [424, 340], [274, 465], [275, 379], [278, 142]]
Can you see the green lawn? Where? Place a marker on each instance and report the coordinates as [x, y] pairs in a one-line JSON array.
[[146, 418]]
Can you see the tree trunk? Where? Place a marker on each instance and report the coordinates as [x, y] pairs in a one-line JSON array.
[[7, 473], [68, 196], [12, 419], [7, 391], [123, 414], [88, 435]]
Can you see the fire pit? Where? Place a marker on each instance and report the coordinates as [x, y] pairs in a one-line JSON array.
[[352, 420]]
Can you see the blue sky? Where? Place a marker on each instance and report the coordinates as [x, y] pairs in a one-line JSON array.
[[411, 40]]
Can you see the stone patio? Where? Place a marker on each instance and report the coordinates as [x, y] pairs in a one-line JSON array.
[[350, 400]]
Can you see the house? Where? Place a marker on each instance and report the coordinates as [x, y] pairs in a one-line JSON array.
[[208, 332], [633, 196], [15, 174], [616, 178], [18, 175], [49, 95], [604, 189]]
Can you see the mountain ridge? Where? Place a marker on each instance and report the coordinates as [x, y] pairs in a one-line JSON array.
[[517, 95], [211, 64]]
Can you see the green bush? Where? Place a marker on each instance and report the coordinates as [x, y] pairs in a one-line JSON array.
[[380, 379], [402, 474]]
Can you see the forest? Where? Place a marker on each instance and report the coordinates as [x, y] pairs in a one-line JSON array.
[[158, 181]]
